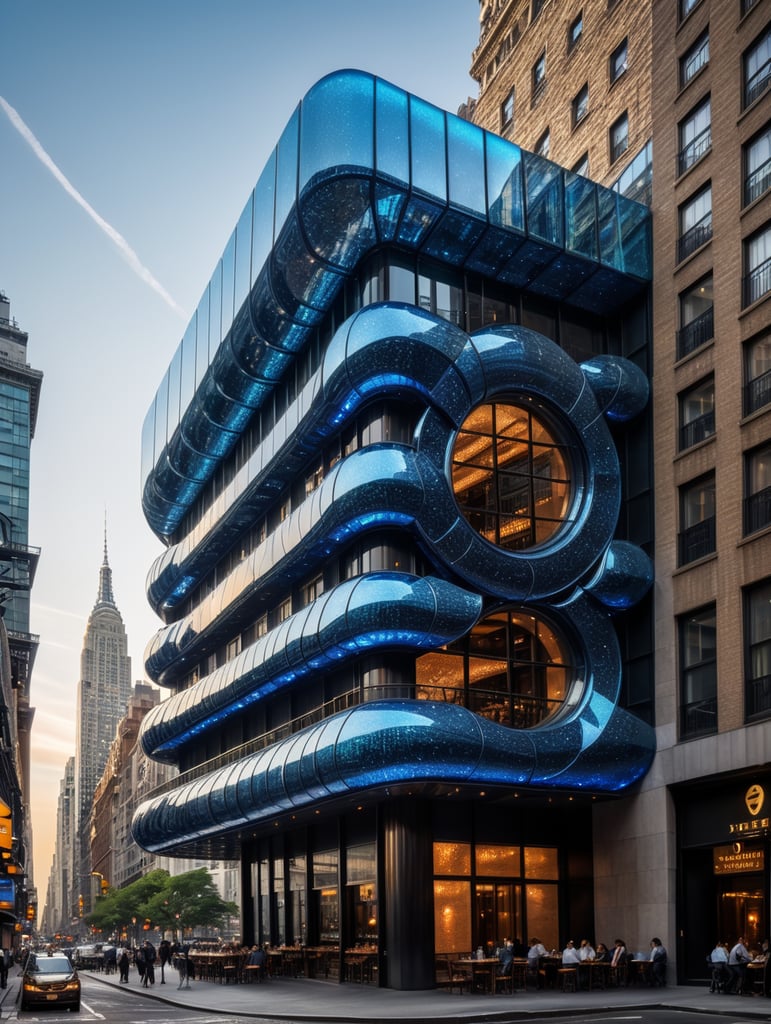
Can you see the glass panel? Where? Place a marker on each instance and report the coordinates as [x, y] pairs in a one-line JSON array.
[[392, 131], [202, 338], [279, 901], [175, 370], [298, 899], [505, 187], [465, 149], [544, 199], [262, 234], [161, 413], [452, 916], [228, 283], [452, 858], [503, 861], [541, 862], [242, 277], [542, 913], [148, 443], [187, 372], [286, 171], [215, 311], [330, 140], [360, 863], [427, 126]]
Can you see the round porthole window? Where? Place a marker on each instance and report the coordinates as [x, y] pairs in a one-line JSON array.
[[511, 475]]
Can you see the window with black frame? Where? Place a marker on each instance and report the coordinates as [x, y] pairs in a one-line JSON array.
[[757, 624], [697, 413], [757, 165], [757, 477], [698, 672], [696, 538], [757, 373], [697, 319]]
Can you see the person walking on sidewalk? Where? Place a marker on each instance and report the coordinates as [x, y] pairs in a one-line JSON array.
[[181, 954]]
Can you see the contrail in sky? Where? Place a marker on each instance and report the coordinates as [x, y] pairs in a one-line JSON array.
[[115, 236]]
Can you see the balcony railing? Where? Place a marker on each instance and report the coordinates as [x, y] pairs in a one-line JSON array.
[[694, 63], [699, 717], [757, 393], [757, 83], [516, 711], [756, 283], [755, 184], [759, 696], [757, 511], [694, 237], [696, 333], [694, 150], [696, 430], [696, 541]]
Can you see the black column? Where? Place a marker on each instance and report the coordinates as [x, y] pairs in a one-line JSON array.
[[409, 893], [247, 896]]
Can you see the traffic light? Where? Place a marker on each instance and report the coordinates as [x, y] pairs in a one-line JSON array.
[[146, 926], [105, 885], [30, 912]]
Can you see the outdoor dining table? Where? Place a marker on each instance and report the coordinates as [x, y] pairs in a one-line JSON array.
[[641, 971], [482, 971], [599, 972]]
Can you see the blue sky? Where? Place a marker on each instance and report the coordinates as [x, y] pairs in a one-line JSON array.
[[130, 137]]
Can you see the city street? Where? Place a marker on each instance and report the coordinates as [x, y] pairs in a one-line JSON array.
[[131, 1005]]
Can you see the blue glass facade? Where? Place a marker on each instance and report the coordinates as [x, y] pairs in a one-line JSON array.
[[402, 543]]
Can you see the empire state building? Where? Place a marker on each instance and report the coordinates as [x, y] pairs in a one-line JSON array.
[[104, 689]]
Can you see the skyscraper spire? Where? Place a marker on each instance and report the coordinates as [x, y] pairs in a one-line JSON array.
[[105, 595]]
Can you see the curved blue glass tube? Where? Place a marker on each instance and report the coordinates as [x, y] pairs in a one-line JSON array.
[[393, 346], [385, 743], [383, 610], [328, 197]]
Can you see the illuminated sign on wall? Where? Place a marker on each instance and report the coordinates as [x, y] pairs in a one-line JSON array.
[[754, 798], [737, 858]]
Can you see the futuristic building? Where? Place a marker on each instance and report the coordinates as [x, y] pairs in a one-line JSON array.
[[401, 465]]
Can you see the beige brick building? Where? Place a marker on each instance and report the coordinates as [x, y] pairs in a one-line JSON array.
[[611, 89]]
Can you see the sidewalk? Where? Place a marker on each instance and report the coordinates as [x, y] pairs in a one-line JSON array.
[[305, 999]]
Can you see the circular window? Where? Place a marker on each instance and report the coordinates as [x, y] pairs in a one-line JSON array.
[[513, 667], [511, 476]]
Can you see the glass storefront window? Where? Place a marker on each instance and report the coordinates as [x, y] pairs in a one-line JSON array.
[[279, 903], [452, 916], [541, 862], [498, 860], [542, 914], [452, 858], [326, 895], [298, 897]]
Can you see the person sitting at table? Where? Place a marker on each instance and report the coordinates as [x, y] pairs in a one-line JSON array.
[[718, 961], [658, 963], [586, 951], [738, 959], [570, 955], [602, 956], [505, 958], [535, 951]]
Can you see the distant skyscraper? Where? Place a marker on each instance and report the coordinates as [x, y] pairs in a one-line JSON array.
[[103, 693]]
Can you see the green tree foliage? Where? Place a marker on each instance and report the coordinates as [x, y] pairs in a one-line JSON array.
[[168, 902]]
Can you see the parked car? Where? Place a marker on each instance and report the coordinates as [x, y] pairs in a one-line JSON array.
[[49, 979]]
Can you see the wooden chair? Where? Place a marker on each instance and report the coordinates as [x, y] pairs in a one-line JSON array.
[[569, 978]]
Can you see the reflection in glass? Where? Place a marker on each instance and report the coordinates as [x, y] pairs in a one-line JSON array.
[[542, 913]]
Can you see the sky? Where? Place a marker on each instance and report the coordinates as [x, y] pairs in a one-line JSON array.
[[131, 134]]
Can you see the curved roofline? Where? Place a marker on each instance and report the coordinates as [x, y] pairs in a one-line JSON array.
[[361, 164]]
